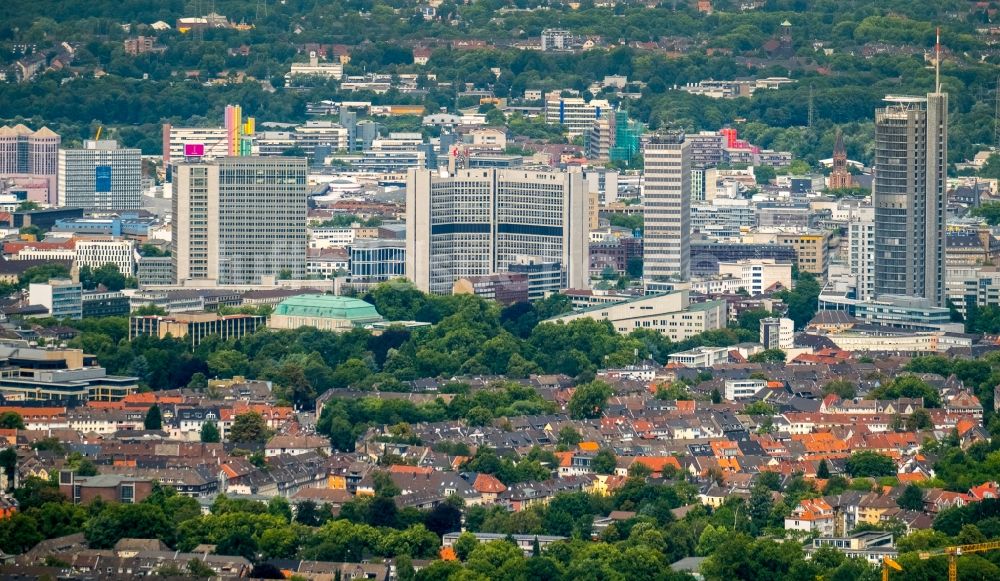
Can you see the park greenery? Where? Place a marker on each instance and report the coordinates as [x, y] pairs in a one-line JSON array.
[[469, 336]]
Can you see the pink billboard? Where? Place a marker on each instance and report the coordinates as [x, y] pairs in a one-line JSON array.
[[194, 150]]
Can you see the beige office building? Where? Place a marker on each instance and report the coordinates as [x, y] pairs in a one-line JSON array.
[[480, 221], [239, 220]]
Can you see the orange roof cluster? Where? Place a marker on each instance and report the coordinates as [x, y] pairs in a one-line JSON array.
[[488, 484], [813, 509], [658, 463], [413, 470], [35, 413]]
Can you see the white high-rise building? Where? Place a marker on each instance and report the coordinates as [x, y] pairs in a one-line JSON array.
[[101, 176], [861, 256], [911, 168], [481, 221], [239, 220], [666, 196]]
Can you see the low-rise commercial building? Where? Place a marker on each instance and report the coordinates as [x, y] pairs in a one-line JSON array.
[[757, 276], [669, 313], [195, 327], [701, 357], [35, 374], [62, 297]]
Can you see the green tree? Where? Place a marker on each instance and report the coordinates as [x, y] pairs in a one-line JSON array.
[[210, 433], [249, 427], [137, 521], [8, 462], [11, 421], [759, 506], [909, 386], [870, 464], [604, 462], [154, 419], [197, 568], [920, 419], [589, 399], [823, 470], [912, 498], [569, 437], [841, 387], [803, 300]]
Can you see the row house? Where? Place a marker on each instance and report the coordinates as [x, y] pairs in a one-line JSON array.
[[833, 404], [104, 421], [527, 494]]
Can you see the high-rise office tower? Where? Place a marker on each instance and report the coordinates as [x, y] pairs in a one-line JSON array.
[[101, 176], [480, 221], [239, 219], [666, 194], [911, 161], [27, 155]]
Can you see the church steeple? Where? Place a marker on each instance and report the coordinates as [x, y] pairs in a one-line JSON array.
[[839, 151], [840, 177]]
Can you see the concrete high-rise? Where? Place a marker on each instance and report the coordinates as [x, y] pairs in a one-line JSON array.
[[27, 156], [239, 220], [666, 194], [101, 176], [480, 222], [861, 251], [911, 162]]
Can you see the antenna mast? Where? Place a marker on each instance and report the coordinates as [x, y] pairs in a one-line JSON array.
[[811, 111], [937, 62]]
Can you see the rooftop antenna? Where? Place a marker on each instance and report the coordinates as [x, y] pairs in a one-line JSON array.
[[937, 62]]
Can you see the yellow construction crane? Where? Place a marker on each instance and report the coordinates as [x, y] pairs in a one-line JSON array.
[[953, 553], [97, 137], [887, 564]]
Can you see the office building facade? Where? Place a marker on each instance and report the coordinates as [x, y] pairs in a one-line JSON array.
[[378, 260], [861, 254], [62, 297], [28, 156], [239, 220], [777, 333], [101, 176], [480, 222], [667, 207], [911, 156], [96, 252]]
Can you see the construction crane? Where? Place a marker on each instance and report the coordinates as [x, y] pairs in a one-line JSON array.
[[954, 552], [97, 137], [887, 564]]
